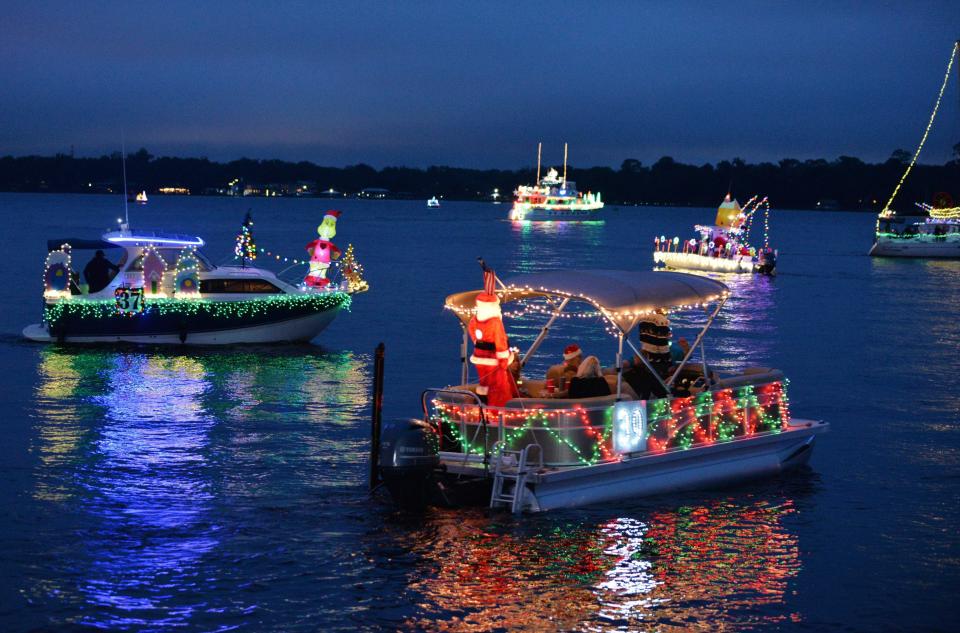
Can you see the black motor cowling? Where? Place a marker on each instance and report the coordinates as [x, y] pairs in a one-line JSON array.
[[409, 458]]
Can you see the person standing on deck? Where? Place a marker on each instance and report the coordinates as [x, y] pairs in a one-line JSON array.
[[97, 272]]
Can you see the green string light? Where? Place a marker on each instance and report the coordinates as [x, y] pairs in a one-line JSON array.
[[221, 310]]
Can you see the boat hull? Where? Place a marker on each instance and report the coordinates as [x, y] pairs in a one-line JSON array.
[[698, 468], [538, 214], [918, 246], [704, 467], [693, 261], [285, 327]]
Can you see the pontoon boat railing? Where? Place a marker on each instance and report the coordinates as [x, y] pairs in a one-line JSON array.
[[586, 435]]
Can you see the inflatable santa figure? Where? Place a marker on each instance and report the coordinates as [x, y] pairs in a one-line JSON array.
[[491, 354], [322, 251]]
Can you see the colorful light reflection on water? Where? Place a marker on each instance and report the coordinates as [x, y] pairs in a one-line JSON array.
[[226, 490]]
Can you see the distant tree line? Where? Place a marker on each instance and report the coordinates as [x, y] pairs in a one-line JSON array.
[[846, 183]]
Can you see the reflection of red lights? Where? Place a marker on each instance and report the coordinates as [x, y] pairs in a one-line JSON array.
[[720, 563]]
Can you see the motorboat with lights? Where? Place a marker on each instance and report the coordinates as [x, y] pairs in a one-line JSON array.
[[935, 233], [166, 291], [934, 230], [723, 247], [553, 198], [544, 449], [433, 203]]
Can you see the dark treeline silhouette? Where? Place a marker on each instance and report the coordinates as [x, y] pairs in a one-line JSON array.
[[846, 183]]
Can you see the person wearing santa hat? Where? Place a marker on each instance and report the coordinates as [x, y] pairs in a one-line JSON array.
[[491, 351], [322, 251], [561, 374]]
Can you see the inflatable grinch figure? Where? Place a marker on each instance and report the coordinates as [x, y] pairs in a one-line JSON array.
[[322, 251], [491, 353]]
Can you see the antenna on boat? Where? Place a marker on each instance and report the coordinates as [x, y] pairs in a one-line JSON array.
[[123, 161], [564, 163], [539, 149]]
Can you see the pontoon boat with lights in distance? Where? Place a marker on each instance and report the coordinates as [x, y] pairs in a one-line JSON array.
[[167, 292], [541, 451], [723, 247], [553, 199]]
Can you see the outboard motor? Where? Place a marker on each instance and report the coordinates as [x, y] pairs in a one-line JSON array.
[[409, 456]]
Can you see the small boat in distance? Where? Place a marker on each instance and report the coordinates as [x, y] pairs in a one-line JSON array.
[[166, 291], [433, 203], [548, 449], [724, 246], [553, 198], [934, 231], [140, 198]]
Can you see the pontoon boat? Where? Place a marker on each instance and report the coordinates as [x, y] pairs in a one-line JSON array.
[[544, 451]]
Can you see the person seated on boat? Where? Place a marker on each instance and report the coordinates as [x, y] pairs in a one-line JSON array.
[[589, 381], [562, 373], [97, 272]]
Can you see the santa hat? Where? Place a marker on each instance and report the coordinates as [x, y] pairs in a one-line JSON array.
[[488, 306], [332, 214], [571, 351]]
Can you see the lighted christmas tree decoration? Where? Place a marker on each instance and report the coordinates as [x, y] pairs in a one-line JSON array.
[[352, 272], [246, 249]]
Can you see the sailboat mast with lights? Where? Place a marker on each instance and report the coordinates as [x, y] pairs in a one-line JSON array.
[[553, 198], [931, 229]]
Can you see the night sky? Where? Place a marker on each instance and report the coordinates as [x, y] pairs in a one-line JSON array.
[[477, 84]]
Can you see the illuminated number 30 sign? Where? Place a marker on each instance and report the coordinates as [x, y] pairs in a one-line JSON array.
[[630, 426]]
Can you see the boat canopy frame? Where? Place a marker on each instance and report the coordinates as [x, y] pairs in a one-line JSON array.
[[622, 298]]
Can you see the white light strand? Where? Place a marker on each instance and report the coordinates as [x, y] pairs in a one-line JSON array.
[[887, 212]]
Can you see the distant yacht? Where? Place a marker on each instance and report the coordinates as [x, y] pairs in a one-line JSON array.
[[140, 198], [553, 198], [433, 203]]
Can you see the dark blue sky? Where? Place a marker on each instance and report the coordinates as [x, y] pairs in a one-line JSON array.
[[477, 84]]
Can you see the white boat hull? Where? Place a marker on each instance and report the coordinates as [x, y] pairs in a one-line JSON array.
[[917, 246], [697, 468], [300, 329], [694, 261], [702, 467]]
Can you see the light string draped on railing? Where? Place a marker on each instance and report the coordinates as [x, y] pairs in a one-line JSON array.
[[281, 258], [887, 212], [677, 423]]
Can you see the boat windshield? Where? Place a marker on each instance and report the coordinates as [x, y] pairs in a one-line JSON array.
[[170, 256]]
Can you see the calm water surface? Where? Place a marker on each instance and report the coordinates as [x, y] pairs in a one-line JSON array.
[[151, 490]]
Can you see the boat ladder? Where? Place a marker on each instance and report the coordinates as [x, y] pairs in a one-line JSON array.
[[511, 469]]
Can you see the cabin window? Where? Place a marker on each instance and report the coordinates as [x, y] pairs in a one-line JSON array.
[[238, 286], [170, 256]]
